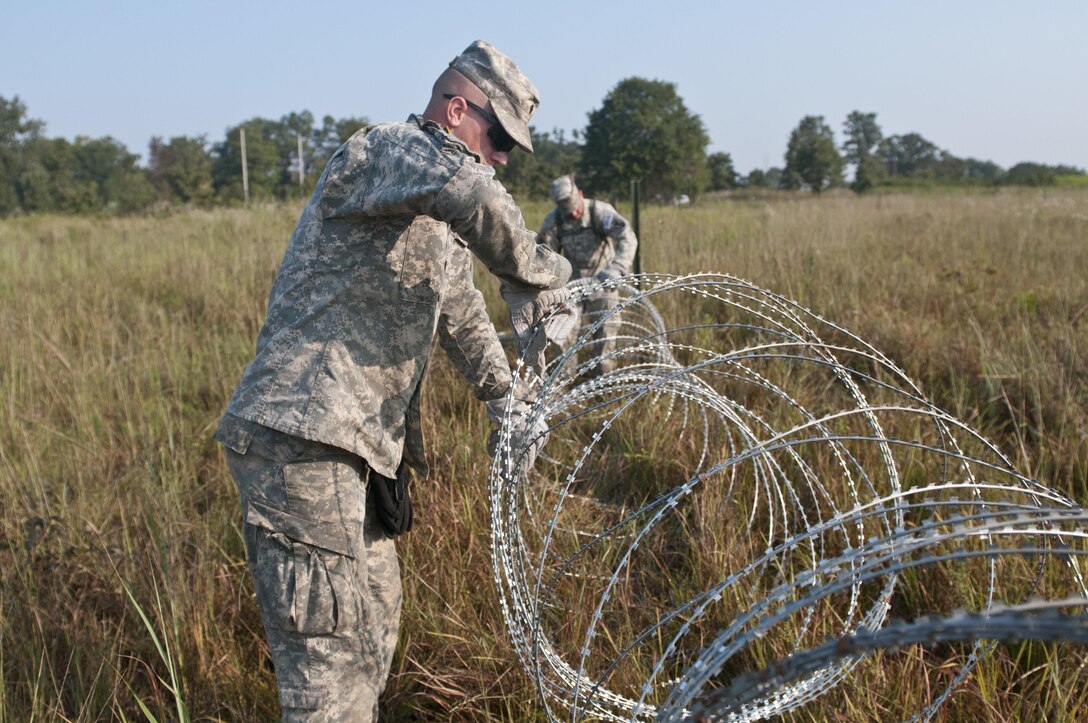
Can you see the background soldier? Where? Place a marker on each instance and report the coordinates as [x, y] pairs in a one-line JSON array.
[[599, 244], [328, 410]]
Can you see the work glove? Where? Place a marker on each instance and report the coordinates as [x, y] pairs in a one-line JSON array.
[[609, 273], [538, 317], [527, 437]]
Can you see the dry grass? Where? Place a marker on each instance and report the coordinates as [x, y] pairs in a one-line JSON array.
[[124, 338]]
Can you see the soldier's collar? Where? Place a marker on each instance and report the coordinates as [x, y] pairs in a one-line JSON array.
[[447, 138]]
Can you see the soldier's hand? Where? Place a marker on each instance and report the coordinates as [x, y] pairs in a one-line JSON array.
[[609, 273], [538, 317], [526, 436]]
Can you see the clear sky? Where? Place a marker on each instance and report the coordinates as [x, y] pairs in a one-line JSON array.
[[993, 80]]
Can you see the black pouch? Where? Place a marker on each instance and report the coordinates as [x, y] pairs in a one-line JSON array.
[[392, 501]]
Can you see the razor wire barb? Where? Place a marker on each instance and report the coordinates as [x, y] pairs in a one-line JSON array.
[[737, 503]]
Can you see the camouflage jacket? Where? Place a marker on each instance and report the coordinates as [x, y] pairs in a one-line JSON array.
[[599, 239], [375, 268]]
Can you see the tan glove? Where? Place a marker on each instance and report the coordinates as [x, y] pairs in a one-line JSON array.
[[538, 317], [610, 273], [527, 437]]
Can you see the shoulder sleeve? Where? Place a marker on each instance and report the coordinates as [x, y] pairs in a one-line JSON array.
[[480, 210], [467, 335], [398, 169], [615, 226], [386, 170]]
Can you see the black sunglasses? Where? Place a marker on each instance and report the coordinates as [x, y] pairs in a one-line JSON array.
[[503, 141]]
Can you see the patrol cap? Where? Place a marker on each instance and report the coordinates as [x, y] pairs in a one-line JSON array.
[[565, 193], [513, 96]]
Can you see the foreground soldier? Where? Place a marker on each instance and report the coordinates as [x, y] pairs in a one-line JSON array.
[[329, 408], [599, 244]]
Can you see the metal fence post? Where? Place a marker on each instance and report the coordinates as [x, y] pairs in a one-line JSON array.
[[245, 168], [636, 191]]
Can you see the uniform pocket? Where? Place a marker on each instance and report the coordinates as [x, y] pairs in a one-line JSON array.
[[302, 588], [328, 491], [422, 272]]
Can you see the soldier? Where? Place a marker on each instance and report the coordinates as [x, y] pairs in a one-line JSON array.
[[324, 423], [599, 243]]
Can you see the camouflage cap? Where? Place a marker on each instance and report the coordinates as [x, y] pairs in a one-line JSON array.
[[513, 96], [565, 193]]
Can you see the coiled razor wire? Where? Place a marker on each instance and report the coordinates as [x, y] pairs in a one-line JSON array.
[[741, 506]]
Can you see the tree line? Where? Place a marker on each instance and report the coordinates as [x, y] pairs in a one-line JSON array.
[[814, 161], [40, 174], [642, 130]]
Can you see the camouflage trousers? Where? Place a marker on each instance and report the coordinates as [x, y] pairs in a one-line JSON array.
[[325, 573]]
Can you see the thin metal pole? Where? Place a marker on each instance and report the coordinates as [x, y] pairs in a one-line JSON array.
[[301, 168], [636, 191], [245, 170]]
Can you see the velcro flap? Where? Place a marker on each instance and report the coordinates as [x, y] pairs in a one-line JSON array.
[[331, 536]]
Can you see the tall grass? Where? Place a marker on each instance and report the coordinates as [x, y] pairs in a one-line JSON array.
[[122, 575]]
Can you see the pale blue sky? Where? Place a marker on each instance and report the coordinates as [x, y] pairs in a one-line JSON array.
[[996, 80]]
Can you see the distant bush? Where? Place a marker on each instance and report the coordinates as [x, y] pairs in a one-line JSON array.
[[1076, 180]]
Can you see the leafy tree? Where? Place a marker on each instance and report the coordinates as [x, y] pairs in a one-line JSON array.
[[41, 174], [49, 179], [9, 199], [722, 173], [863, 136], [15, 126], [1030, 174], [528, 175], [868, 173], [272, 154], [949, 168], [285, 135], [909, 155], [89, 174], [35, 189], [112, 171], [770, 178], [644, 131], [984, 171], [181, 170], [16, 129], [811, 156], [265, 164], [1038, 174]]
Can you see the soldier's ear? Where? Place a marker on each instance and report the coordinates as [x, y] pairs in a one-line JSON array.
[[456, 109]]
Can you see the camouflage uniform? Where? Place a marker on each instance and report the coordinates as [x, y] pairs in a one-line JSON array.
[[377, 265], [601, 242], [325, 573]]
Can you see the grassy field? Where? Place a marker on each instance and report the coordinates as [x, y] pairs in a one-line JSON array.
[[123, 588]]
